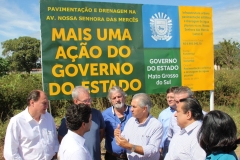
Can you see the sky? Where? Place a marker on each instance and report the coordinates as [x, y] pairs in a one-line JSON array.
[[22, 17]]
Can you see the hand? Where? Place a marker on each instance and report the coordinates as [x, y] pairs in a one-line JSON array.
[[121, 141], [117, 131]]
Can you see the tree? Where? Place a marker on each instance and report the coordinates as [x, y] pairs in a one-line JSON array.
[[4, 66], [227, 54], [22, 53]]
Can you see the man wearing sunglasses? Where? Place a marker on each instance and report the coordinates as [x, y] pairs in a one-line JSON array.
[[184, 144], [179, 93], [96, 133]]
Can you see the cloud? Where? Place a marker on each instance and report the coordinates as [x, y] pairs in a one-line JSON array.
[[226, 23], [16, 21]]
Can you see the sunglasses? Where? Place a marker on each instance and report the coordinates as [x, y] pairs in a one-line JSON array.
[[186, 99]]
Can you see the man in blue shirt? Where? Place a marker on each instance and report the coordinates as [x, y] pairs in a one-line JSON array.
[[118, 113], [96, 133], [164, 117]]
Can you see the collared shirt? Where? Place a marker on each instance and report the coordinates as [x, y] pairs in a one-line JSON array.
[[72, 148], [222, 156], [111, 120], [173, 126], [31, 140], [147, 134], [164, 117], [92, 137], [184, 144]]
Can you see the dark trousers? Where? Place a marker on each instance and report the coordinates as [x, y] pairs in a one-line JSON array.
[[109, 156]]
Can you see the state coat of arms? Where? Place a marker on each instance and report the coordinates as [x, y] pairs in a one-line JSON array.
[[161, 27]]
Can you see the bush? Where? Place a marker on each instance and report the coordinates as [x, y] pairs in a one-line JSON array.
[[14, 89], [227, 88]]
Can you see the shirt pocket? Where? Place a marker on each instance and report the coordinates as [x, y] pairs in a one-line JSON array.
[[145, 139], [48, 136]]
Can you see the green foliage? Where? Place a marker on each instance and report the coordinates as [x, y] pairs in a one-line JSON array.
[[227, 88], [3, 126], [14, 89], [59, 107], [159, 100], [227, 54], [4, 66], [22, 53]]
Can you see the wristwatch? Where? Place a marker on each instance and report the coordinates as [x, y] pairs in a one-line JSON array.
[[133, 148]]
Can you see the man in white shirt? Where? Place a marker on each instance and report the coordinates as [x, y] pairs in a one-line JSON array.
[[179, 93], [184, 144], [31, 134], [94, 137], [142, 133], [78, 121]]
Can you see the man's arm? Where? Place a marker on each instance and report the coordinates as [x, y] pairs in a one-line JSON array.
[[170, 129], [160, 119], [11, 142], [125, 144], [102, 134], [150, 148], [56, 142]]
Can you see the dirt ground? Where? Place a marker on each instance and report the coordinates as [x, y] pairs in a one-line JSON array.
[[103, 151], [1, 153]]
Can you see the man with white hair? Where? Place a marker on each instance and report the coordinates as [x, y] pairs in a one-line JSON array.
[[118, 113], [143, 133]]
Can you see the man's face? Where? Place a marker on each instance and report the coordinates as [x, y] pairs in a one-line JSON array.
[[182, 118], [170, 100], [137, 111], [117, 100], [41, 105], [84, 98], [179, 96]]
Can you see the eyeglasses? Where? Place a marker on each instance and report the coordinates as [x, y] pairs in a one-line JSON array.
[[177, 101], [87, 101]]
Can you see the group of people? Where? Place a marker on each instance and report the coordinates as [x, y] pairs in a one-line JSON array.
[[182, 131]]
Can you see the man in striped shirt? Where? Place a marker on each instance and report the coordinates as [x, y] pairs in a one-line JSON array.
[[142, 133]]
